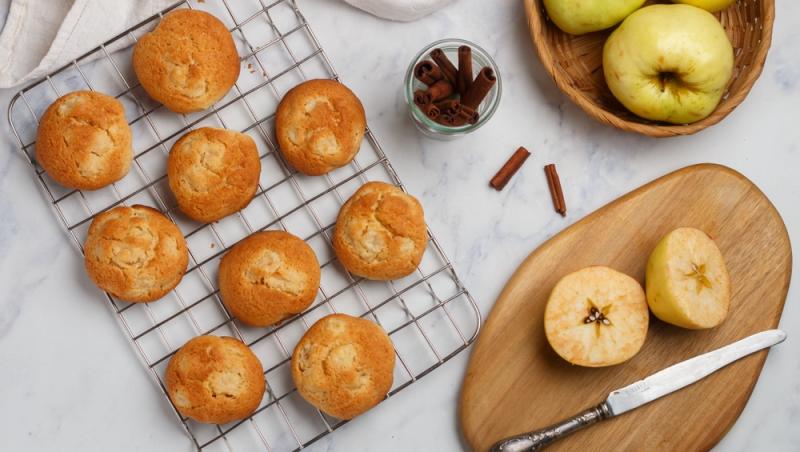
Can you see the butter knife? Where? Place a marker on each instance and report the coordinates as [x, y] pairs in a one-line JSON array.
[[644, 391]]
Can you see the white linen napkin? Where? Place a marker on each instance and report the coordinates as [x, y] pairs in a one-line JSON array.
[[402, 10], [41, 35]]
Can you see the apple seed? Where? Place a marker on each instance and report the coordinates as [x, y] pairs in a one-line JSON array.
[[699, 274]]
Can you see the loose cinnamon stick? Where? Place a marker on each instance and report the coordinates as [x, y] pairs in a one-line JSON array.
[[480, 88], [427, 72], [554, 183], [501, 179], [448, 70], [464, 69]]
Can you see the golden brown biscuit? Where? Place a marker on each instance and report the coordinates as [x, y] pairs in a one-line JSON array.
[[188, 62], [84, 141], [215, 380], [343, 365], [319, 126], [213, 173], [135, 253], [268, 277], [380, 232]]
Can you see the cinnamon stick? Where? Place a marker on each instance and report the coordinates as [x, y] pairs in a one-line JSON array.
[[431, 111], [464, 81], [554, 184], [448, 70], [469, 115], [448, 120], [440, 90], [427, 72], [421, 98], [480, 88], [501, 179], [451, 106]]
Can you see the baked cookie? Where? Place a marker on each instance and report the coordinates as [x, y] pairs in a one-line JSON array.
[[84, 141], [213, 173], [319, 126], [380, 232], [215, 380], [135, 253], [188, 62], [268, 277], [343, 365]]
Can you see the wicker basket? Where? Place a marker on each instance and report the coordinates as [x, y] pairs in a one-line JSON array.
[[575, 63]]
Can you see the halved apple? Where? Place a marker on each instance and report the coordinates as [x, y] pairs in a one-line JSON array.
[[687, 280], [596, 317]]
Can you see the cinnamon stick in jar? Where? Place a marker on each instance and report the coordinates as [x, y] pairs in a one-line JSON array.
[[421, 98], [448, 70], [440, 90], [451, 106], [431, 111], [427, 72], [448, 119], [464, 81], [480, 88], [501, 179], [468, 114]]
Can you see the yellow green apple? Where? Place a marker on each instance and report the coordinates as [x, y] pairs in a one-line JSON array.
[[708, 5], [669, 63], [578, 17], [687, 281]]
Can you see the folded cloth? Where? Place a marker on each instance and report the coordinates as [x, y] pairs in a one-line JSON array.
[[402, 10], [42, 35]]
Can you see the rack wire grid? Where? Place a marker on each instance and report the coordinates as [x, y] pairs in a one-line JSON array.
[[429, 315]]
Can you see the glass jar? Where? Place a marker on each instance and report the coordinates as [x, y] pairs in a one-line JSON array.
[[486, 109]]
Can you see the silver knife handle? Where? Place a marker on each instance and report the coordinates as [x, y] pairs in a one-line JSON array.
[[539, 439]]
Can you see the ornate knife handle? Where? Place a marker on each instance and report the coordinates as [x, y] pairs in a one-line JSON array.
[[539, 439]]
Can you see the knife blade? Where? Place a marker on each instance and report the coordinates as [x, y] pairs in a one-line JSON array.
[[655, 386]]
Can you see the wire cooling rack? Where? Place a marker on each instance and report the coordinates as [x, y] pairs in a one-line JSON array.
[[429, 315]]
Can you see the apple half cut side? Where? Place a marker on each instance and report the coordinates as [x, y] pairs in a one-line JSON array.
[[687, 280], [669, 63], [596, 317]]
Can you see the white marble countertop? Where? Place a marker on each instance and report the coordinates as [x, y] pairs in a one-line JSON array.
[[69, 380]]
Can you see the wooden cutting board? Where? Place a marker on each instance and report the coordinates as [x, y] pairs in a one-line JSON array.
[[516, 383]]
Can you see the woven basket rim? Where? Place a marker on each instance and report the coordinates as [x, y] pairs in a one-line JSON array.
[[536, 24]]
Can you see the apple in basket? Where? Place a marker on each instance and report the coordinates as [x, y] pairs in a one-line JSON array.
[[708, 5], [578, 17], [669, 63]]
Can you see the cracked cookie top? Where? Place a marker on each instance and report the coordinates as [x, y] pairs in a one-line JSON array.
[[343, 365], [319, 125], [380, 232], [268, 277], [215, 380], [213, 173], [84, 141], [188, 62], [135, 253]]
